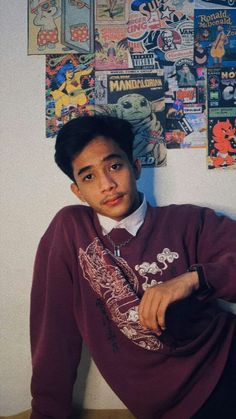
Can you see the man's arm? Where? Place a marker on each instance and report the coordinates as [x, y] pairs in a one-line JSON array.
[[215, 276], [55, 339], [156, 300]]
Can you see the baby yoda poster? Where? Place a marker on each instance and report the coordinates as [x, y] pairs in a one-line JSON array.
[[137, 96]]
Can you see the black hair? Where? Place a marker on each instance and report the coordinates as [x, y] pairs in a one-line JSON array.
[[78, 132]]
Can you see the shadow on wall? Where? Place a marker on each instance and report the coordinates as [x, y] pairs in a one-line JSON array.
[[146, 184], [80, 384]]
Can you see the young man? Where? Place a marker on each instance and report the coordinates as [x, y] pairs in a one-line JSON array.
[[138, 284]]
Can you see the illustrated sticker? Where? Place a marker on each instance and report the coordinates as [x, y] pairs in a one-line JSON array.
[[163, 28]]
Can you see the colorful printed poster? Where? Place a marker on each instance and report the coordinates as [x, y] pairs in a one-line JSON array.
[[77, 25], [111, 47], [111, 11], [44, 27], [137, 96], [60, 26], [186, 122], [221, 97], [163, 28], [215, 37], [69, 89]]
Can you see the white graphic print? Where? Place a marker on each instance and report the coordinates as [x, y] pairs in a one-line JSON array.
[[153, 268], [117, 285]]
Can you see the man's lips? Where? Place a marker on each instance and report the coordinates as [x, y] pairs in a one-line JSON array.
[[113, 200]]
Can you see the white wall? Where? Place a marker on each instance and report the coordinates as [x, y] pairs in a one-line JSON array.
[[33, 189]]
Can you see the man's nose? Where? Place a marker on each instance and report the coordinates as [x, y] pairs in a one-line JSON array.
[[107, 182]]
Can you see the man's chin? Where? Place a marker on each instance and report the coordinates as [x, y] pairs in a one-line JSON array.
[[116, 213]]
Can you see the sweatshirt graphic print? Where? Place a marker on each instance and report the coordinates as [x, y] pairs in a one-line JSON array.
[[117, 285]]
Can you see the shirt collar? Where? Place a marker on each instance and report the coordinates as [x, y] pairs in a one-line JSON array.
[[132, 223]]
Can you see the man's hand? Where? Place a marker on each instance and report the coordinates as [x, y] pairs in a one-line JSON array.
[[156, 299]]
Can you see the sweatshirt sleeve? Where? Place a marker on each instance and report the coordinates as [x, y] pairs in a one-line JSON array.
[[55, 339], [216, 255]]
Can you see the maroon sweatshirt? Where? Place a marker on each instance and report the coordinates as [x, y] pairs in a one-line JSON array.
[[81, 291]]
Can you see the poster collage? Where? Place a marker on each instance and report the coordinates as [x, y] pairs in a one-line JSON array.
[[167, 66]]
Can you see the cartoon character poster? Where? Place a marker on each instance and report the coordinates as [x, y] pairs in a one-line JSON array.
[[221, 98], [77, 25], [60, 26], [137, 96], [186, 122], [111, 47], [215, 37], [163, 28], [44, 27], [69, 89]]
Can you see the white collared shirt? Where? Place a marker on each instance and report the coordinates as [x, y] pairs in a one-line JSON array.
[[132, 223]]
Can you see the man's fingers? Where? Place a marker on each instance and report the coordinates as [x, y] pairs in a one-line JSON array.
[[144, 309], [152, 311], [156, 299], [161, 315]]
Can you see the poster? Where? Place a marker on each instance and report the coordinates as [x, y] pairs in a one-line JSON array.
[[60, 26], [69, 89], [77, 25], [137, 96], [111, 11], [215, 37], [221, 99], [186, 121], [111, 47]]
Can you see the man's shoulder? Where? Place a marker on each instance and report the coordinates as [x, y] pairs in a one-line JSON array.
[[74, 210], [177, 209], [190, 215], [179, 217], [71, 214]]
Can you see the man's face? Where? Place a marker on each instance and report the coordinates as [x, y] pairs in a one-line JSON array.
[[106, 179]]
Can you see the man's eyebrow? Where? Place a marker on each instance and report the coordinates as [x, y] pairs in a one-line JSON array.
[[106, 158], [84, 169], [112, 157]]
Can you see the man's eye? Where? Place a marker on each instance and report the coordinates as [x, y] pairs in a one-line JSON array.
[[116, 166], [88, 177]]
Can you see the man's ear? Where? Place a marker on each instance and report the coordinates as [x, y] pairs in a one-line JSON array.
[[137, 168], [74, 188]]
